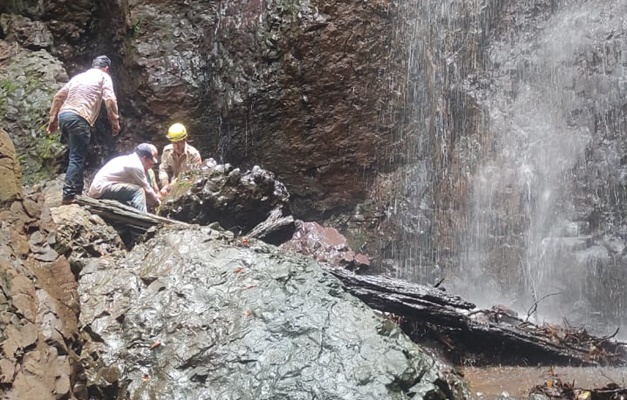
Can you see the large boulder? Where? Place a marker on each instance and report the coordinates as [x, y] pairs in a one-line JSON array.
[[238, 201], [81, 236], [195, 314]]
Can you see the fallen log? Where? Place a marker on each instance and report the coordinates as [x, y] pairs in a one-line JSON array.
[[405, 292], [121, 215], [276, 229], [128, 219], [483, 337]]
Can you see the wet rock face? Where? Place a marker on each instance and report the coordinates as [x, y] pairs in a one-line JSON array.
[[196, 314], [38, 299], [526, 175], [302, 89], [166, 67], [238, 201], [307, 90]]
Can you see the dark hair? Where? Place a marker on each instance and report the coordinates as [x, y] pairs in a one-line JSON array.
[[101, 62]]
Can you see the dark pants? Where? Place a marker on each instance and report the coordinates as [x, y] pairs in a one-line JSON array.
[[78, 132]]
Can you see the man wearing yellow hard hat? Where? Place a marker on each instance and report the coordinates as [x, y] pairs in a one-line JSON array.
[[177, 157]]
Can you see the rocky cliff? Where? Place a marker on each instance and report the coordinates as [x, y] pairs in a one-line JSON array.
[[189, 313], [305, 89], [468, 141], [39, 301]]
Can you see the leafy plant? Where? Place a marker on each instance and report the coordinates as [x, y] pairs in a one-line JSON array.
[[137, 26], [8, 87]]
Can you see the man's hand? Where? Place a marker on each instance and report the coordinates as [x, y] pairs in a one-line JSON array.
[[53, 125], [165, 190]]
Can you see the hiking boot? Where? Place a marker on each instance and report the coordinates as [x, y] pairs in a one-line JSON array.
[[68, 201]]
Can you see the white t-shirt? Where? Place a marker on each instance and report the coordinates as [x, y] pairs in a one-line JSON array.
[[122, 169]]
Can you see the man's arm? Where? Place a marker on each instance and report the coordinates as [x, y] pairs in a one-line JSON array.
[[111, 104], [57, 102], [138, 177], [196, 160], [152, 194], [166, 159]]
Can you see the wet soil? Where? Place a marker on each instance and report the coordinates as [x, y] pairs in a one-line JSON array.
[[491, 382]]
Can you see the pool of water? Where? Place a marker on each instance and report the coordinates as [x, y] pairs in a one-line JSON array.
[[489, 383]]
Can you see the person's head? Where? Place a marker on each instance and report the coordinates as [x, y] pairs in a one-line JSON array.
[[177, 135], [103, 62], [147, 154]]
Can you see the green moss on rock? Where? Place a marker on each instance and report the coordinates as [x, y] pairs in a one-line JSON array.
[[28, 81]]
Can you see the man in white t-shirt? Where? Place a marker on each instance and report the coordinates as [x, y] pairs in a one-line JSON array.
[[124, 179]]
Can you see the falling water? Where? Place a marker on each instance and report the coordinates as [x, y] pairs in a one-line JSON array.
[[523, 105]]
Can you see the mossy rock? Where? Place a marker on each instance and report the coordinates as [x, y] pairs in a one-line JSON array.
[[28, 82]]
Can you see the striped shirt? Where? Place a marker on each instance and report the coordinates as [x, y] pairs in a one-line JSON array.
[[84, 94]]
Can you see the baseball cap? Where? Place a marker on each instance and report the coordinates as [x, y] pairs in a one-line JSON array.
[[146, 150], [101, 61]]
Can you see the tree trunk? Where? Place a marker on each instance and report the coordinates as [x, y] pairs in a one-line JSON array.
[[483, 337]]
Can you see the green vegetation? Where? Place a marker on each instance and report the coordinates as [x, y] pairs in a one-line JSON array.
[[21, 158], [27, 85], [8, 87], [137, 26], [48, 148], [180, 187]]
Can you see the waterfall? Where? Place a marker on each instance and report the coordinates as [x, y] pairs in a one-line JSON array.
[[523, 104]]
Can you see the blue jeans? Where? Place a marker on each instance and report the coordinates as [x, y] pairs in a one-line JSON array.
[[78, 132], [128, 193]]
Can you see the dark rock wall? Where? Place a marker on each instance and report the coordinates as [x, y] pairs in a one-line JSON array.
[[387, 118], [415, 213], [303, 89], [164, 71], [307, 90]]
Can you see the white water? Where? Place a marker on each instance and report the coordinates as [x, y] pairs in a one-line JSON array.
[[528, 107]]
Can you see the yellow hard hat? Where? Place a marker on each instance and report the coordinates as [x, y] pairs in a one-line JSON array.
[[177, 132]]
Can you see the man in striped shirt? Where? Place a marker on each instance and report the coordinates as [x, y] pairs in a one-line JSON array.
[[75, 109]]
